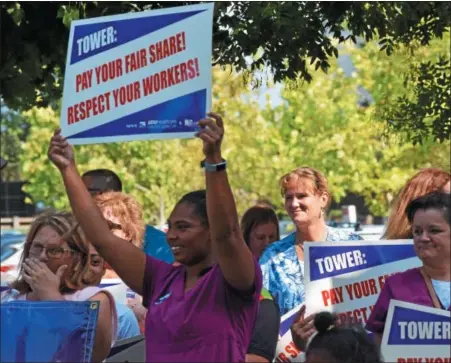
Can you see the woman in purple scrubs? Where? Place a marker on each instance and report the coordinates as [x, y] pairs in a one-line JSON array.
[[430, 284], [204, 309]]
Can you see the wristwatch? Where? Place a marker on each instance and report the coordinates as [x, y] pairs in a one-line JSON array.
[[214, 167]]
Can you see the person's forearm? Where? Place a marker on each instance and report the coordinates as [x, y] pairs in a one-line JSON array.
[[221, 208], [85, 209], [127, 260], [254, 358]]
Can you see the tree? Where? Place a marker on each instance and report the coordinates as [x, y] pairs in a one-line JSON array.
[[324, 125], [14, 131], [320, 125], [284, 37]]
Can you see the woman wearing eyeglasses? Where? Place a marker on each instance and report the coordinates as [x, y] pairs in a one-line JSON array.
[[56, 265]]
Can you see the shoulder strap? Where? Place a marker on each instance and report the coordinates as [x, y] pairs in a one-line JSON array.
[[431, 289]]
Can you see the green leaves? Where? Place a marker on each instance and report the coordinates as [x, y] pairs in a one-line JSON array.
[[68, 13], [16, 12], [319, 125]]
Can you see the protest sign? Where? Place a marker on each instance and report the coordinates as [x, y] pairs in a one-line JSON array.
[[286, 351], [416, 334], [347, 277], [48, 331], [138, 76]]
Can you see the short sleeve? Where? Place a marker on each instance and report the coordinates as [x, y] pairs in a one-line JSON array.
[[266, 331], [154, 275], [376, 321], [254, 293]]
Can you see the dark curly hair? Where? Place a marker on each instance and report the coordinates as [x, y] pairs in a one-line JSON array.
[[347, 343]]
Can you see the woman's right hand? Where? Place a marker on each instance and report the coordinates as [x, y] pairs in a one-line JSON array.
[[302, 329], [60, 151]]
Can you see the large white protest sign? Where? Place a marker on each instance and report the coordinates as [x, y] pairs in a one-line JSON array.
[[347, 277], [138, 76], [416, 334]]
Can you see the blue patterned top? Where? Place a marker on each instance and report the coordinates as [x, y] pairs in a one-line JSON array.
[[283, 273]]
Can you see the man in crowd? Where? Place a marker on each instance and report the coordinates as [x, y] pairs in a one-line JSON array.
[[101, 181]]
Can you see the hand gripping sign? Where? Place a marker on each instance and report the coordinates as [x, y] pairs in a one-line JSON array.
[[346, 277], [138, 76], [286, 350], [416, 334]]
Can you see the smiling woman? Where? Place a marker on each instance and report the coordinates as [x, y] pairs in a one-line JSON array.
[[307, 197], [429, 285], [204, 309]]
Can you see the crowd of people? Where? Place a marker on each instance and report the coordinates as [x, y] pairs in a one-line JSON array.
[[222, 298]]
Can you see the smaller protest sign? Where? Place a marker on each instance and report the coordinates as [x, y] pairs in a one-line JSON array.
[[346, 278], [416, 334]]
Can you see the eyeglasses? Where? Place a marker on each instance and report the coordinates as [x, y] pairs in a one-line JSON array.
[[51, 251], [113, 226]]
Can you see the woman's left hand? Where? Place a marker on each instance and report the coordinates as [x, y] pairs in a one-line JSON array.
[[211, 133], [44, 283]]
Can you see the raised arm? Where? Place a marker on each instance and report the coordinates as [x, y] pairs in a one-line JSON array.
[[234, 257], [127, 260]]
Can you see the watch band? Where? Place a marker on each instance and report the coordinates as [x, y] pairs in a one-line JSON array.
[[214, 167]]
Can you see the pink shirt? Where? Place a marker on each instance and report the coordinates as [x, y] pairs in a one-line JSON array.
[[408, 286]]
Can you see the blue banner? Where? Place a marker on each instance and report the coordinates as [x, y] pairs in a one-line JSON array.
[[413, 327], [103, 36], [48, 331], [160, 119], [156, 245], [338, 260]]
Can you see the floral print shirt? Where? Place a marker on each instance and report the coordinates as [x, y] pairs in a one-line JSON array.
[[283, 273]]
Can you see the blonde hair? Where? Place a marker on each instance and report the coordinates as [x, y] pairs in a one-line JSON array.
[[127, 210], [78, 273], [424, 182], [317, 178]]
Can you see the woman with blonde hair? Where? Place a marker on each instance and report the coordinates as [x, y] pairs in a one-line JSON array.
[[424, 182], [307, 197], [123, 214], [124, 217], [125, 211], [56, 266]]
